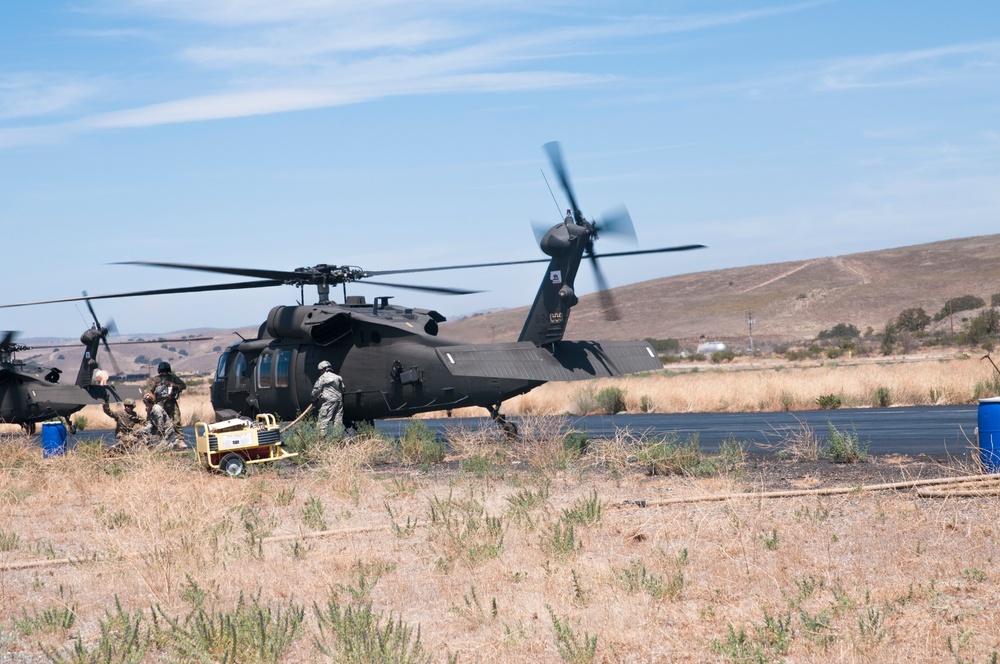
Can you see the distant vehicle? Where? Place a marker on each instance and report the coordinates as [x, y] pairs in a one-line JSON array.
[[711, 347]]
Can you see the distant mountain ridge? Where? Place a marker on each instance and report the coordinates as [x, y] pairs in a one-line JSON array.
[[791, 302]]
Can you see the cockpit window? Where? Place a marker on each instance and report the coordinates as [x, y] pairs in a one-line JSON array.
[[264, 371], [220, 371]]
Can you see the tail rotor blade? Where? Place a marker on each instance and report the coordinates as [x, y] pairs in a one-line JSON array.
[[539, 229], [558, 165], [90, 307], [617, 222]]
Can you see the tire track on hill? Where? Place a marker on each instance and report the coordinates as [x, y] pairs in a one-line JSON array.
[[783, 275]]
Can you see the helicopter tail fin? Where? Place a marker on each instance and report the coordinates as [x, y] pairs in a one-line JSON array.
[[91, 339], [549, 313]]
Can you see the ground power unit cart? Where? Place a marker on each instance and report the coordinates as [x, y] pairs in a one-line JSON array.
[[229, 446]]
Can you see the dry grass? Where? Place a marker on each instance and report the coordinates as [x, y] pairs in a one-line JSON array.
[[774, 386], [483, 563]]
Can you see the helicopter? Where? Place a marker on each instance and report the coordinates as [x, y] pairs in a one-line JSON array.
[[391, 358], [31, 393]]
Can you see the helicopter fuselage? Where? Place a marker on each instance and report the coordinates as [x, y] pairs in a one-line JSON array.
[[387, 355], [30, 393]]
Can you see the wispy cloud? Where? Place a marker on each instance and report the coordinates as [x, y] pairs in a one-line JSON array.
[[32, 95], [946, 64], [309, 54]]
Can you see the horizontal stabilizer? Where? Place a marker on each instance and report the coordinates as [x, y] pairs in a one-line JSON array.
[[571, 360]]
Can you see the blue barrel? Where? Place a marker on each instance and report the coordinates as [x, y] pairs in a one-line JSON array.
[[989, 434], [53, 439]]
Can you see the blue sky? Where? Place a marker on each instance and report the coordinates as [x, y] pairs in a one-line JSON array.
[[393, 134]]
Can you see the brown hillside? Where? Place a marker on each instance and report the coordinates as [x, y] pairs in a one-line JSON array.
[[791, 301]]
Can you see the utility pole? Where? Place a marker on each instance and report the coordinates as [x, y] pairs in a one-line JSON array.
[[750, 326]]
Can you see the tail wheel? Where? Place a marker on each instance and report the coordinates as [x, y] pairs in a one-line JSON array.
[[232, 464]]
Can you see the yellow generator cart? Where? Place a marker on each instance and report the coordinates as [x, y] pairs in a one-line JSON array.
[[230, 445]]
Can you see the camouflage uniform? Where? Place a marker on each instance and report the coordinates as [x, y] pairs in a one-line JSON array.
[[158, 429], [128, 424], [167, 388], [329, 390]]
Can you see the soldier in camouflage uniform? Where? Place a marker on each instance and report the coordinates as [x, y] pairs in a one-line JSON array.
[[166, 386], [159, 428], [128, 424]]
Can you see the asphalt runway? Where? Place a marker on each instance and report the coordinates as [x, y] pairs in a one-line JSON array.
[[914, 430]]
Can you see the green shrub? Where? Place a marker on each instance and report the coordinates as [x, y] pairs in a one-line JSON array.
[[610, 400], [913, 320], [882, 397], [840, 331], [956, 304], [668, 456], [358, 634], [983, 326], [843, 446], [829, 402], [419, 444], [720, 356], [249, 633]]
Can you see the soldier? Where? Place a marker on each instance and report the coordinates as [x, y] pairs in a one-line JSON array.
[[329, 391], [158, 429], [167, 388], [128, 424]]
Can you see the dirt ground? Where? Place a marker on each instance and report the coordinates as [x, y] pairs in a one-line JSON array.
[[771, 473]]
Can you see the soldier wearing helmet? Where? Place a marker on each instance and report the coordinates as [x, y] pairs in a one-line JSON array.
[[158, 429], [128, 424], [329, 391], [167, 388]]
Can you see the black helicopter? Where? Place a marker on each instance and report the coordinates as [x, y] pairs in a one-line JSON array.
[[392, 360], [31, 393]]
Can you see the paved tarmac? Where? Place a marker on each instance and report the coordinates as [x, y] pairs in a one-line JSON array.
[[912, 430]]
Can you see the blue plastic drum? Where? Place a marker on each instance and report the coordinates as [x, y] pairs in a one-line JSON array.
[[53, 439], [989, 434]]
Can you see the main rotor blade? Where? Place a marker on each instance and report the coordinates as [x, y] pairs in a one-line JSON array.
[[555, 158], [379, 273], [683, 247], [603, 293], [161, 291], [429, 289], [274, 275], [127, 343], [686, 247]]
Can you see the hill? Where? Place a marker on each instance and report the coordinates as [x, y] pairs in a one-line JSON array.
[[791, 302]]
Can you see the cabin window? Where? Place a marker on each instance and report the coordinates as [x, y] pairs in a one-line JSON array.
[[220, 371], [241, 367], [264, 371], [281, 367]]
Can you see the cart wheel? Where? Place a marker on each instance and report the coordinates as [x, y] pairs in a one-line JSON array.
[[232, 464]]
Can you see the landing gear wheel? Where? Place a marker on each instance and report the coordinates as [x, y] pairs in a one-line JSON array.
[[509, 429], [232, 464], [29, 427]]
